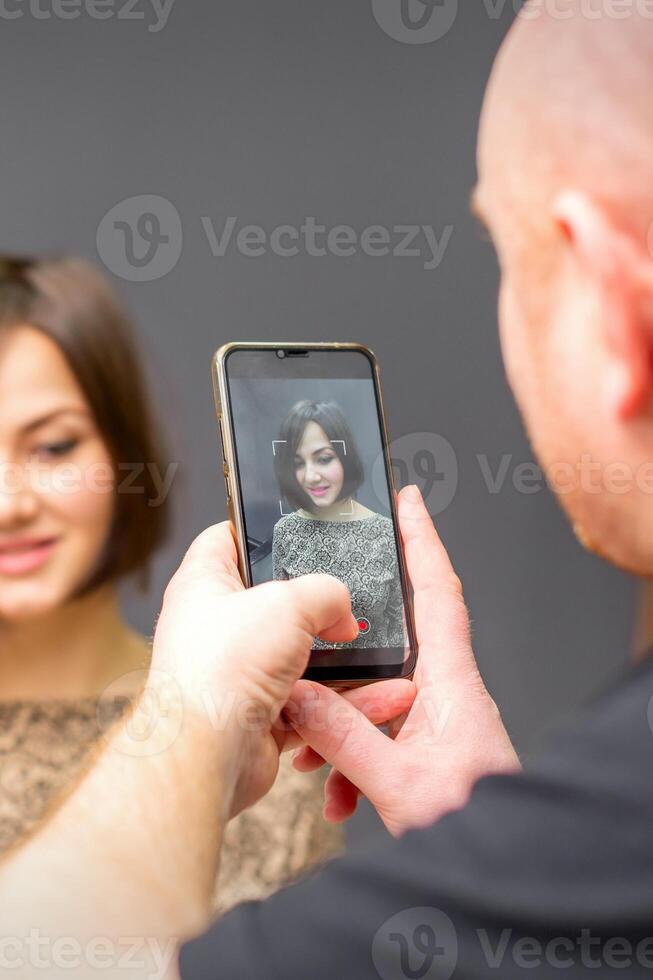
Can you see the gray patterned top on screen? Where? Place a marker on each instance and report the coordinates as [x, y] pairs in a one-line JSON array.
[[362, 554]]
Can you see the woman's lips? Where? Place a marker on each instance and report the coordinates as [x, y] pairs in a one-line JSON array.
[[21, 557], [317, 491]]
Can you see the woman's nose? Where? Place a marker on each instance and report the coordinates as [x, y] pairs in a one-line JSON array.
[[312, 475], [18, 503]]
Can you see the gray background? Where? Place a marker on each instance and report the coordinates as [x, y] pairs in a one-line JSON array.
[[272, 110]]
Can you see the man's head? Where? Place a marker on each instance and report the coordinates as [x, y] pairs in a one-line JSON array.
[[566, 187]]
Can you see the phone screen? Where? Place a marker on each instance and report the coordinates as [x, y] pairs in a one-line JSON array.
[[315, 492]]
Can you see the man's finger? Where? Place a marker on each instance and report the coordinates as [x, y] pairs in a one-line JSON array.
[[323, 607], [307, 759], [441, 617], [213, 553], [430, 560], [341, 734], [380, 703], [340, 798]]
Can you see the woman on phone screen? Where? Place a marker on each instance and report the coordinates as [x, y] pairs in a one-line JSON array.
[[319, 472], [80, 508]]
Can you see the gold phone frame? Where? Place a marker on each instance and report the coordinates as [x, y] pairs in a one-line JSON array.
[[229, 466]]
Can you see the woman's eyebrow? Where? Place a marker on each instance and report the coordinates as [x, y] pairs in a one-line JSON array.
[[49, 416]]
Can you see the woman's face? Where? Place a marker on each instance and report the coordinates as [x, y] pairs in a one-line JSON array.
[[318, 469], [57, 483]]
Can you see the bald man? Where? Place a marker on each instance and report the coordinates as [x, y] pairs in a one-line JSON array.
[[496, 871]]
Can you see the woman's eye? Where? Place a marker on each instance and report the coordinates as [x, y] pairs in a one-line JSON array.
[[56, 449], [323, 460]]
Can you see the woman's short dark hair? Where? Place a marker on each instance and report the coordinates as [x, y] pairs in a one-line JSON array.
[[72, 304], [331, 419]]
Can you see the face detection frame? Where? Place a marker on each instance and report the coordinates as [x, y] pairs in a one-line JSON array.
[[275, 442]]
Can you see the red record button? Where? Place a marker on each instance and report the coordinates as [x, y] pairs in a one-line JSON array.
[[364, 625]]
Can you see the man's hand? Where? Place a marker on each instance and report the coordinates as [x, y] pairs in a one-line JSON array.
[[236, 653], [136, 844], [452, 734]]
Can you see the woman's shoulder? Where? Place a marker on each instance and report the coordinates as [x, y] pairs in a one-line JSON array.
[[287, 523], [385, 527], [378, 521], [382, 519], [378, 528], [288, 528]]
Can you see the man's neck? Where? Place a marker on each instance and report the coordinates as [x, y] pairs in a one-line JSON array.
[[75, 651]]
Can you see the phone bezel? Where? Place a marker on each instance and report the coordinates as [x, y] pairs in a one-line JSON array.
[[339, 676]]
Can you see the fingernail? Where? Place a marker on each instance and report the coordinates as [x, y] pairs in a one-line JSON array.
[[412, 494]]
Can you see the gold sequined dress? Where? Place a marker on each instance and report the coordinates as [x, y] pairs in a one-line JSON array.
[[44, 747]]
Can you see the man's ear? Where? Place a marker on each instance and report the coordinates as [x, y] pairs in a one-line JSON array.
[[622, 274]]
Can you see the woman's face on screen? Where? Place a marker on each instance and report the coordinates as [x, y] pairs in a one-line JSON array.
[[318, 468], [57, 482]]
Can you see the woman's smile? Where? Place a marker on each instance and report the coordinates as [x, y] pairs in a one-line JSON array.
[[20, 556]]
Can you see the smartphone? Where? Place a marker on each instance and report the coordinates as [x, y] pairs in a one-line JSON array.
[[310, 488]]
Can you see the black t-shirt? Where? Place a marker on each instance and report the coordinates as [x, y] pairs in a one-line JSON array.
[[548, 873]]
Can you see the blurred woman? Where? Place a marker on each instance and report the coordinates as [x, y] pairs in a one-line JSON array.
[[83, 504], [319, 471]]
